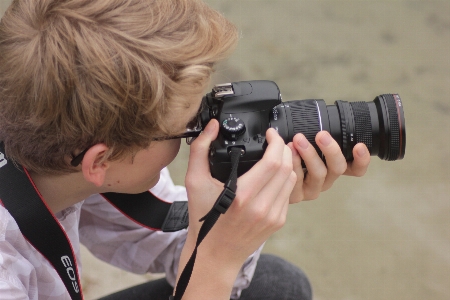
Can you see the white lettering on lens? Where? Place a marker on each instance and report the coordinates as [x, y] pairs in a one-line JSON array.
[[275, 114], [398, 100]]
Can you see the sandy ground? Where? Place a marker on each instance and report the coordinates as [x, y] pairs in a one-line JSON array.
[[383, 236]]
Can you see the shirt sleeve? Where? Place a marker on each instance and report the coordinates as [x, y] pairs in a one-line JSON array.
[[115, 239]]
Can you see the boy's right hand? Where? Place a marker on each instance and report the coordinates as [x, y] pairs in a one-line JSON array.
[[259, 209], [262, 196], [261, 202]]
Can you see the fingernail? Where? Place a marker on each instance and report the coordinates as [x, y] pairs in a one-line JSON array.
[[303, 143], [325, 139], [361, 151]]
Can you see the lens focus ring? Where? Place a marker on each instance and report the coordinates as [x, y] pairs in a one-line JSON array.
[[363, 128]]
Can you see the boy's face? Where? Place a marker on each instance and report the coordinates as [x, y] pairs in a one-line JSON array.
[[141, 173]]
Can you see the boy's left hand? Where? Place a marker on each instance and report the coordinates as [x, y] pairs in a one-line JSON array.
[[320, 177]]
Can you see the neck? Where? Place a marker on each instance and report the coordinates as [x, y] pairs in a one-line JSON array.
[[63, 191]]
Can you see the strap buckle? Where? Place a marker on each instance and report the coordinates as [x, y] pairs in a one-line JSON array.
[[224, 201]]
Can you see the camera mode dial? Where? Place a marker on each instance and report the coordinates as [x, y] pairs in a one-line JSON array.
[[233, 128]]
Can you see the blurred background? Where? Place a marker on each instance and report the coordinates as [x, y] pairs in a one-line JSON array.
[[385, 235]]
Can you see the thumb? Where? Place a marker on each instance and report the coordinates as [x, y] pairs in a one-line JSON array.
[[198, 158]]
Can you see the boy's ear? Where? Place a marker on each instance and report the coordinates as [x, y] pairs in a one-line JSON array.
[[93, 166]]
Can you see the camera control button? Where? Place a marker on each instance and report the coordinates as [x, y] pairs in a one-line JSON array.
[[233, 128], [259, 138]]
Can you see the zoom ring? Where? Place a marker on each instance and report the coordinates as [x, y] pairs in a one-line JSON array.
[[363, 125], [306, 119], [394, 140]]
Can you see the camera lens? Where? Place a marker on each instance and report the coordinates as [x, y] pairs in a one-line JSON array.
[[379, 124]]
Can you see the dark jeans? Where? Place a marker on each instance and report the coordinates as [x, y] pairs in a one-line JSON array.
[[274, 279]]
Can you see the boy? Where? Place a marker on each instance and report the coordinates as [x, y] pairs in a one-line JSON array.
[[110, 82]]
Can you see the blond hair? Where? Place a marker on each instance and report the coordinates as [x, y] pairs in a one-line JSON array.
[[78, 72]]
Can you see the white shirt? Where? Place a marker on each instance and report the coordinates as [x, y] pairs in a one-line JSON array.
[[109, 235]]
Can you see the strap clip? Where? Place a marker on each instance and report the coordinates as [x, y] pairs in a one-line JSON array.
[[224, 201]]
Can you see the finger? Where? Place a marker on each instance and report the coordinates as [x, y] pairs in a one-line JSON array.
[[358, 167], [297, 193], [198, 157], [336, 163], [273, 197], [284, 193], [263, 171], [279, 211], [284, 175], [317, 171], [283, 213]]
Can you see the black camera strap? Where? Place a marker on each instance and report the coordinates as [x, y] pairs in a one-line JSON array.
[[38, 224], [150, 211], [220, 207], [41, 228]]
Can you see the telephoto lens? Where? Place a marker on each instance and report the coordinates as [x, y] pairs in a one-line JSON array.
[[379, 124]]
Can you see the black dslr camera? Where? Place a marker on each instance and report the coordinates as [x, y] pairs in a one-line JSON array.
[[245, 110]]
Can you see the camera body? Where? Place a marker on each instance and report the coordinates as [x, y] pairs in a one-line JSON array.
[[246, 109], [243, 110]]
